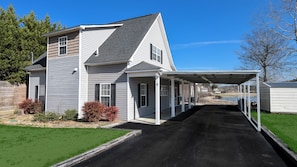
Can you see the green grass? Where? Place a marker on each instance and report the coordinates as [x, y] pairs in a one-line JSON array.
[[283, 126], [30, 146]]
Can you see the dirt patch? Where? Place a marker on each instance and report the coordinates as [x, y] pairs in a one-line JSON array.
[[27, 120]]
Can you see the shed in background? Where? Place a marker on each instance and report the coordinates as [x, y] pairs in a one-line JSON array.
[[279, 97]]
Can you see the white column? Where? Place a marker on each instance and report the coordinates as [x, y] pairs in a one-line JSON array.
[[183, 96], [238, 95], [157, 99], [189, 98], [244, 101], [249, 99], [195, 94], [172, 98], [258, 104], [240, 86]]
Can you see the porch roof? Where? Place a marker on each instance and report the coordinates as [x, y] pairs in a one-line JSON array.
[[222, 77]]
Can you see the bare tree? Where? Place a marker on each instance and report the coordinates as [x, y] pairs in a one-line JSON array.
[[283, 21], [267, 51]]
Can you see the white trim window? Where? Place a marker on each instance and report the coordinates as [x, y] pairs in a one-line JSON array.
[[156, 54], [143, 95], [105, 94], [63, 45], [164, 90]]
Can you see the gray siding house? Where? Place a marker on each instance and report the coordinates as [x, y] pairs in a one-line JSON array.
[[279, 97], [118, 64]]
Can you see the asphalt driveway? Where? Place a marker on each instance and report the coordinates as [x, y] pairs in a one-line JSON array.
[[207, 136]]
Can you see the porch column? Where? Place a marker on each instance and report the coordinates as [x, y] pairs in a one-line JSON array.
[[195, 94], [258, 103], [183, 96], [157, 99], [189, 101], [249, 99], [244, 101], [172, 98], [240, 87]]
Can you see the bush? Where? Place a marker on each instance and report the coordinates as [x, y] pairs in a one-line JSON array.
[[96, 111], [31, 107], [70, 115], [92, 111], [110, 113], [45, 117]]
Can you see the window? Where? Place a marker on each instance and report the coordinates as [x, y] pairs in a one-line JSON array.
[[156, 54], [36, 93], [63, 45], [105, 93], [164, 90], [143, 95]]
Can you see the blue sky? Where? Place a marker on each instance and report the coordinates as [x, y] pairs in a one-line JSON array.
[[203, 34]]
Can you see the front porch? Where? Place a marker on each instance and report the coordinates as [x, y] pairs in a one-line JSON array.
[[164, 116]]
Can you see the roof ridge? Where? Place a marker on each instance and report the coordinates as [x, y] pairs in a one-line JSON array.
[[133, 18]]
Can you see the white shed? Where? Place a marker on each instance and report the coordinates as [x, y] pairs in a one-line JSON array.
[[279, 97]]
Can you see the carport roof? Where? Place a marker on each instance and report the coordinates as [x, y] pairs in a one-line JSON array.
[[222, 77]]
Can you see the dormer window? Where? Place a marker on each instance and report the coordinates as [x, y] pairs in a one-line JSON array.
[[63, 45], [156, 54]]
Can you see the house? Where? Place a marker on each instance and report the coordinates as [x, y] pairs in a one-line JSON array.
[[279, 97], [116, 64], [127, 64]]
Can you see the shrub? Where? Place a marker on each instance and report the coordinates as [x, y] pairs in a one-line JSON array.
[[92, 111], [45, 117], [110, 113], [96, 111], [30, 107], [69, 115]]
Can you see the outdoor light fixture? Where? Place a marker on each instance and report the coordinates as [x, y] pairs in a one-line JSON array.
[[74, 70]]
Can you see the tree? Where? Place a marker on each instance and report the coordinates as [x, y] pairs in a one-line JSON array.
[[283, 21], [265, 50], [19, 38]]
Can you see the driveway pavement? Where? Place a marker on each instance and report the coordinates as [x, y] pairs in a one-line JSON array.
[[210, 136]]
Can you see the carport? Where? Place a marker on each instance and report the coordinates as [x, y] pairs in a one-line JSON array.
[[242, 78]]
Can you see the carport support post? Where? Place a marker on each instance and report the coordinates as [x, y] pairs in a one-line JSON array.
[[172, 98], [189, 98], [183, 96], [195, 94], [258, 103], [249, 99], [244, 101], [157, 98], [240, 86]]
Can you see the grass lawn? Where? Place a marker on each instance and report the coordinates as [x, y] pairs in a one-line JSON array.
[[283, 126], [31, 146]]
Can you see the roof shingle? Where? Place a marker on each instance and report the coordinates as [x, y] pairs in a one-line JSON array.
[[123, 42]]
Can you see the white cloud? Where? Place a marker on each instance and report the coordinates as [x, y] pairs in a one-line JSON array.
[[204, 43]]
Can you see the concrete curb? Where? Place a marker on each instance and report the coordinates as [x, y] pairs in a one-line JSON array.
[[289, 157], [86, 155]]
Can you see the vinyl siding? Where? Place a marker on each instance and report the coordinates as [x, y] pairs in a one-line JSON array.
[[283, 100], [165, 100], [264, 97], [133, 102], [72, 45], [62, 85], [37, 78], [155, 37], [110, 74], [90, 41]]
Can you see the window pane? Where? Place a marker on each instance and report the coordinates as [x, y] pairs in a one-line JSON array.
[[63, 50], [105, 101], [143, 100]]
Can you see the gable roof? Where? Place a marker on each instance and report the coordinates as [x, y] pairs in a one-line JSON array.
[[123, 42], [38, 64], [282, 85], [143, 66]]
